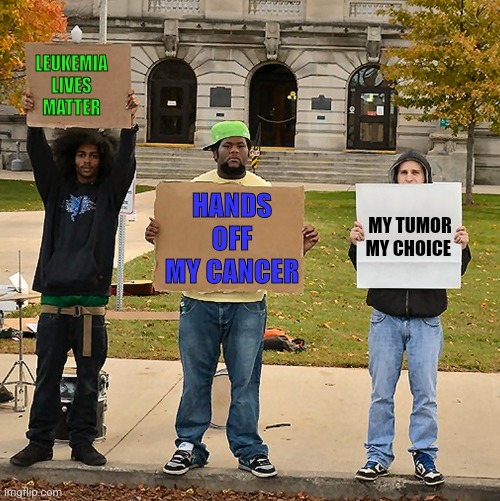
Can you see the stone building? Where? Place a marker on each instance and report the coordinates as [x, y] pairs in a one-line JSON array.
[[303, 73]]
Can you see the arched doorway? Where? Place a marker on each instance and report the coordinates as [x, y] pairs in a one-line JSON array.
[[273, 105], [371, 113], [171, 103]]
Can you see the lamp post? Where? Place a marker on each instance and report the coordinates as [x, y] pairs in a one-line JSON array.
[[103, 21], [103, 38]]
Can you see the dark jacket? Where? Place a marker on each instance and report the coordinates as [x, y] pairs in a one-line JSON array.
[[410, 302], [78, 241]]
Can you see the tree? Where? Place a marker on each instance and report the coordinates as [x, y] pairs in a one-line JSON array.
[[23, 21], [451, 66]]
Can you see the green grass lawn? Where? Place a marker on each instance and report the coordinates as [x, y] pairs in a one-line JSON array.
[[331, 314], [19, 195]]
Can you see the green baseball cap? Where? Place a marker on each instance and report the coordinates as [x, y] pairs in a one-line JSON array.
[[228, 128]]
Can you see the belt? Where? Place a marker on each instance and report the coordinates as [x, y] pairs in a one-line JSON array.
[[78, 311]]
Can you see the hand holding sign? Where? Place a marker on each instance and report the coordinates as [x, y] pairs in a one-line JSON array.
[[151, 230], [132, 104], [357, 233], [461, 237], [27, 102], [311, 237]]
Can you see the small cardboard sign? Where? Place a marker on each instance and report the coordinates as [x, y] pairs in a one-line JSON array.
[[128, 205], [228, 237], [409, 231], [78, 85]]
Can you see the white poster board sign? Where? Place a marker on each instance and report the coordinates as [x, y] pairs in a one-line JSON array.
[[409, 230], [128, 205]]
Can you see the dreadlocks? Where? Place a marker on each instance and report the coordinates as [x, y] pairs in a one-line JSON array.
[[67, 141]]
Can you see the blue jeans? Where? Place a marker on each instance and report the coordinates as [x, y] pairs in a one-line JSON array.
[[203, 327], [389, 338], [56, 335]]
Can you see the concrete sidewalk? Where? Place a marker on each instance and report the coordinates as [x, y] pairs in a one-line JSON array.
[[313, 419]]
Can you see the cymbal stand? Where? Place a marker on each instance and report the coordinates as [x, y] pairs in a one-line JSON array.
[[21, 385]]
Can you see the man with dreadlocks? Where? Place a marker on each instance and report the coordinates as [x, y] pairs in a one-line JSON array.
[[82, 181]]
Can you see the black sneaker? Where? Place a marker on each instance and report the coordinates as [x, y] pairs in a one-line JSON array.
[[371, 471], [87, 454], [5, 395], [426, 470], [182, 461], [32, 453], [259, 465]]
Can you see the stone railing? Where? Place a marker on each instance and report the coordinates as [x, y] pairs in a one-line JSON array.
[[178, 6], [369, 9], [276, 7]]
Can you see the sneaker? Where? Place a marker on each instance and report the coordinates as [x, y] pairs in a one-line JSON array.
[[426, 470], [32, 453], [371, 471], [259, 465], [87, 454], [5, 395], [182, 461]]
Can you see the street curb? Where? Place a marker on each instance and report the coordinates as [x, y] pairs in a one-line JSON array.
[[322, 484]]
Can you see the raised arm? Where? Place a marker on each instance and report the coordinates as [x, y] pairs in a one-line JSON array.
[[124, 163], [39, 152]]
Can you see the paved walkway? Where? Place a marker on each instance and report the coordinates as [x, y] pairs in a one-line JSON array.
[[314, 419]]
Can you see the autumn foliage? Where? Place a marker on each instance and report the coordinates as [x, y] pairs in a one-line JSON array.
[[451, 66], [23, 21]]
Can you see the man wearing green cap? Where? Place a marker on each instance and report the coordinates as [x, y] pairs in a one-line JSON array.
[[236, 320]]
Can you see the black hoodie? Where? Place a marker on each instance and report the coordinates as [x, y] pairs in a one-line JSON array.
[[78, 241], [410, 302]]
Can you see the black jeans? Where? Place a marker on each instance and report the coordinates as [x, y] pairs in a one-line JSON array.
[[56, 335]]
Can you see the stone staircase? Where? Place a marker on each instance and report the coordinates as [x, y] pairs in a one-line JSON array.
[[170, 163]]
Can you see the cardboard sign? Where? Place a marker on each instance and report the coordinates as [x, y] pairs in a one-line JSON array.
[[78, 85], [409, 232], [228, 237]]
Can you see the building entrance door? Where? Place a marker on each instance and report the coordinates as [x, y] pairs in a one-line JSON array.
[[273, 105], [371, 112], [171, 103], [372, 127]]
